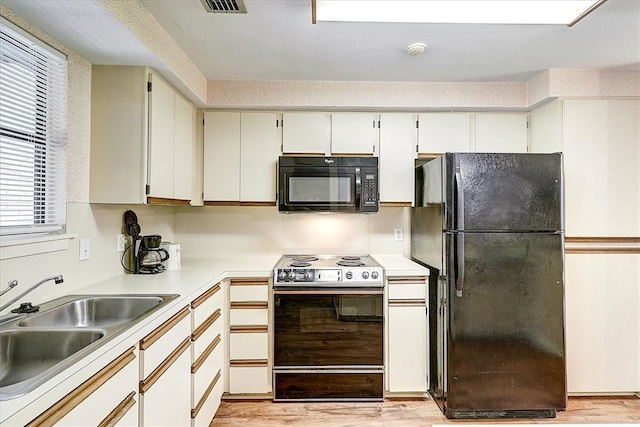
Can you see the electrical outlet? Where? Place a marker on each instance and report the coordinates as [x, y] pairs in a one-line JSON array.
[[120, 245], [84, 249], [397, 234]]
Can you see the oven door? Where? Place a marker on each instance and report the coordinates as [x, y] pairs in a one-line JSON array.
[[328, 344]]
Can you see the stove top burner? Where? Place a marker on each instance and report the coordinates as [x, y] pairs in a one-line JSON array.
[[350, 263], [305, 259], [300, 264], [351, 258]]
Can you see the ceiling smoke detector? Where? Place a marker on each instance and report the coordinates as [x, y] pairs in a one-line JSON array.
[[224, 6], [415, 49]]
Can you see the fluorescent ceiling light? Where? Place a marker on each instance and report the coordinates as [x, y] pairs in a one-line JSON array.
[[456, 11]]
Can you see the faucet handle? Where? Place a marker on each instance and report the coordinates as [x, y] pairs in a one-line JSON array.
[[26, 307]]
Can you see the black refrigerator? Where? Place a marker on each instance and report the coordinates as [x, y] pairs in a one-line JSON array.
[[490, 227]]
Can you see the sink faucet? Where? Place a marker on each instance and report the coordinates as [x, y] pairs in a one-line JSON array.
[[12, 284], [58, 279]]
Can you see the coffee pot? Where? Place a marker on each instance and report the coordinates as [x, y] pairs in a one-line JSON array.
[[151, 255], [148, 256]]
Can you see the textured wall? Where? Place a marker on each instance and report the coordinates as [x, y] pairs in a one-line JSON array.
[[78, 113], [138, 20], [365, 95]]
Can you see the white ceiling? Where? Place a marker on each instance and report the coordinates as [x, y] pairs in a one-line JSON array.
[[276, 40]]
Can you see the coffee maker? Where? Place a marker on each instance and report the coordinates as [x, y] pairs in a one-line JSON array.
[[148, 256]]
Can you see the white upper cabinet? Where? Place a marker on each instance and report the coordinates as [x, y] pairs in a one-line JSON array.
[[240, 157], [327, 134], [138, 126], [472, 132], [353, 133], [306, 133], [601, 151], [396, 158], [258, 157], [183, 150], [221, 156], [161, 138], [444, 132], [545, 128], [501, 133]]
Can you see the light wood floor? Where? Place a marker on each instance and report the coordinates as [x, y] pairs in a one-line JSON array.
[[407, 413]]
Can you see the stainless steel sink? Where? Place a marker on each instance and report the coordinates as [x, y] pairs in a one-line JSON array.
[[95, 311], [26, 353], [35, 347]]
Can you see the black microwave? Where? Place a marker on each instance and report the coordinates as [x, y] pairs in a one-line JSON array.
[[328, 184]]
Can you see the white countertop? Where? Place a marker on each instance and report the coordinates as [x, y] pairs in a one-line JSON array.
[[398, 265], [194, 277]]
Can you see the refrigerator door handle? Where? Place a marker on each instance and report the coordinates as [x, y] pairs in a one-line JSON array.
[[459, 263], [459, 200], [460, 228]]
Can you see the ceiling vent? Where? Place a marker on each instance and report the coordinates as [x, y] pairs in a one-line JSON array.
[[224, 6]]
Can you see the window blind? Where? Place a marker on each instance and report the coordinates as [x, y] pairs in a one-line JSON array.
[[33, 134]]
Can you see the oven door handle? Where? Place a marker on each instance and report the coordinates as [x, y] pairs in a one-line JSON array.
[[329, 291]]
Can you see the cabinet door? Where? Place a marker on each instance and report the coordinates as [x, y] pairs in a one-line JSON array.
[[407, 340], [407, 347], [397, 154], [545, 128], [306, 133], [168, 401], [602, 178], [444, 132], [184, 141], [353, 133], [222, 156], [161, 136], [501, 133], [603, 323], [119, 134], [258, 157]]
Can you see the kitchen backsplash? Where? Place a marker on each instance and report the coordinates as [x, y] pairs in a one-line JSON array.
[[202, 231]]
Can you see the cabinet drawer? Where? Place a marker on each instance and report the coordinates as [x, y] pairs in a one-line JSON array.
[[249, 313], [249, 345], [205, 305], [205, 369], [251, 378], [203, 340], [159, 344], [108, 396], [206, 409], [256, 289], [406, 288]]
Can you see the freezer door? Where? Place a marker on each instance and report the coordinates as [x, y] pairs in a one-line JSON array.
[[505, 337], [507, 192]]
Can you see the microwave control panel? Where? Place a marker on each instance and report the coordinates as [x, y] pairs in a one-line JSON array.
[[370, 190]]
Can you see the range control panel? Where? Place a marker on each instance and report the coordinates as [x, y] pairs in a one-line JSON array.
[[364, 275]]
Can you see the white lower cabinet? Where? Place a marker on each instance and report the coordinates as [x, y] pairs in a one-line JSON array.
[[407, 338], [602, 322], [249, 336], [207, 358], [108, 398], [165, 366]]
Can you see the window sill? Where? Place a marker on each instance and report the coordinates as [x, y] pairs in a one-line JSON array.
[[21, 247]]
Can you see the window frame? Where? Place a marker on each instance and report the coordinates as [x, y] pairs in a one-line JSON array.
[[45, 209]]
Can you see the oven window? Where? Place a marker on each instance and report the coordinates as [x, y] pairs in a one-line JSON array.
[[320, 189], [328, 330]]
